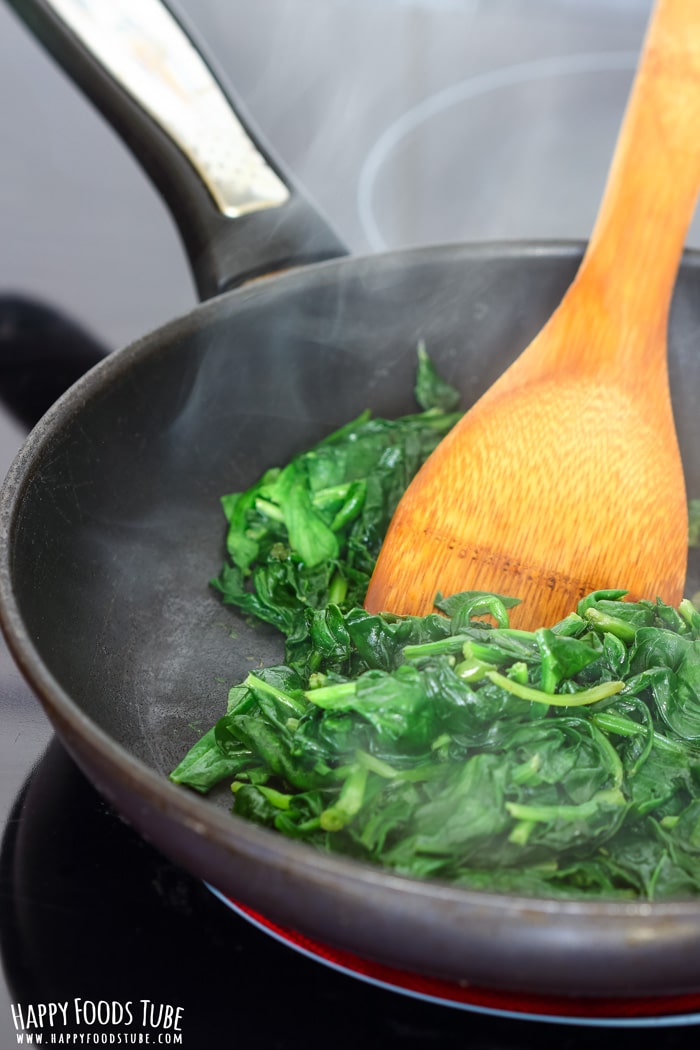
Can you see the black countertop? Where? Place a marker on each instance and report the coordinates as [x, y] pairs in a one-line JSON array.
[[409, 122]]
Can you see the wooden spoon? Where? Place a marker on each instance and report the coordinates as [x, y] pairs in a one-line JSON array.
[[565, 477]]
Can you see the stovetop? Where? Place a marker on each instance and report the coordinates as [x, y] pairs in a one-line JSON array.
[[409, 122]]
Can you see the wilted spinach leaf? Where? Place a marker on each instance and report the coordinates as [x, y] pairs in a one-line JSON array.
[[559, 762]]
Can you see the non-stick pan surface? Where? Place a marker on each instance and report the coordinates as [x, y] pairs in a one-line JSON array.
[[111, 528]]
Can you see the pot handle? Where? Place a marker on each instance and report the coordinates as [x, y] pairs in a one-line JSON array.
[[239, 214]]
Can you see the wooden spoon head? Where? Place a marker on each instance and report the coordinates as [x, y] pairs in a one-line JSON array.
[[566, 476], [543, 492]]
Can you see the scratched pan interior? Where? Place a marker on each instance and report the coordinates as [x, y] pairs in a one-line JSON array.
[[112, 527]]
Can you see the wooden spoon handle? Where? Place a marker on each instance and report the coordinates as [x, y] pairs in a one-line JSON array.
[[630, 268]]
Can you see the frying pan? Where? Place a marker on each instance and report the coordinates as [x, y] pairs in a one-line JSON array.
[[111, 524]]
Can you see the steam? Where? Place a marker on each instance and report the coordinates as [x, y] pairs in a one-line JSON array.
[[410, 123]]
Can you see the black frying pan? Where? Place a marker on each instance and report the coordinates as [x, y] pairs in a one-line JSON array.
[[111, 528]]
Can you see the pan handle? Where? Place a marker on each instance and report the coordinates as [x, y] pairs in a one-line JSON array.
[[239, 214]]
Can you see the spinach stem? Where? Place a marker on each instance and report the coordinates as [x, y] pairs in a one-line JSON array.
[[338, 589], [528, 692], [620, 628], [583, 811], [259, 684], [332, 696], [453, 644], [349, 802], [269, 509]]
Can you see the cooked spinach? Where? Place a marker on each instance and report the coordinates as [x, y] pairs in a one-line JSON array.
[[559, 762], [307, 535]]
